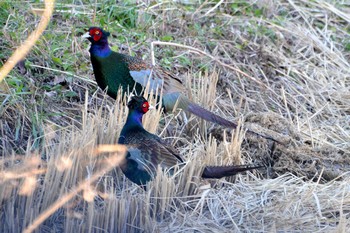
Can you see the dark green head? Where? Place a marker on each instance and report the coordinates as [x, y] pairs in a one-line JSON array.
[[138, 104]]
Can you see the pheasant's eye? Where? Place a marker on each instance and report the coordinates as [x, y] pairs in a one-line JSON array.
[[96, 34], [145, 107]]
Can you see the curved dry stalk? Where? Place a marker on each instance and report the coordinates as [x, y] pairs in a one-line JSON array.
[[23, 50]]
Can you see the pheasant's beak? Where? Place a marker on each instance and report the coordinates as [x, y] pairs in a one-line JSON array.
[[150, 107], [86, 35]]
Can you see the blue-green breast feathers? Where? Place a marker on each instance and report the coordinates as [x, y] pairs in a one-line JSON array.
[[113, 72]]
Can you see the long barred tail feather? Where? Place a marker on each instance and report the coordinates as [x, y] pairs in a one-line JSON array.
[[209, 116], [218, 172], [212, 117], [177, 100]]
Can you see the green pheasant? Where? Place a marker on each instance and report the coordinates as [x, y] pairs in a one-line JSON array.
[[113, 70], [146, 151]]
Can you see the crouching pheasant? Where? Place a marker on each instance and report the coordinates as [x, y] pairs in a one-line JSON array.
[[146, 151]]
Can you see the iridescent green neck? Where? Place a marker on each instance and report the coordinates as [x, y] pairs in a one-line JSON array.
[[134, 118], [101, 49], [132, 125]]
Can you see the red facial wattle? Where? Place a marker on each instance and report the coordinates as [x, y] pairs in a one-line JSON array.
[[96, 34], [145, 107]]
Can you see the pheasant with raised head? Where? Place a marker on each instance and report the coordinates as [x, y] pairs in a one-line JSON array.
[[113, 70], [146, 150]]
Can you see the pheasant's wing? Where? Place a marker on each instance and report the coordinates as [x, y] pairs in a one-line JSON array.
[[153, 150], [169, 148], [157, 77]]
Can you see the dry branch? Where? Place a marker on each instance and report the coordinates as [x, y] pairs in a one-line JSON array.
[[23, 50]]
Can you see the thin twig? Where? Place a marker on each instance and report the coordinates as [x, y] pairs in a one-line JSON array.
[[65, 72], [211, 57], [212, 9]]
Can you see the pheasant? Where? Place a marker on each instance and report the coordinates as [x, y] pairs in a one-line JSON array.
[[113, 70], [146, 150]]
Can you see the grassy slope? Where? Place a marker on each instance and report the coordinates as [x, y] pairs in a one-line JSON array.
[[295, 86]]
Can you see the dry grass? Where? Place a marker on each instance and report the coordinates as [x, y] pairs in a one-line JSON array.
[[283, 71]]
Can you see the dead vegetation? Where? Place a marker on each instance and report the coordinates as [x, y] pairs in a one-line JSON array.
[[280, 68]]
